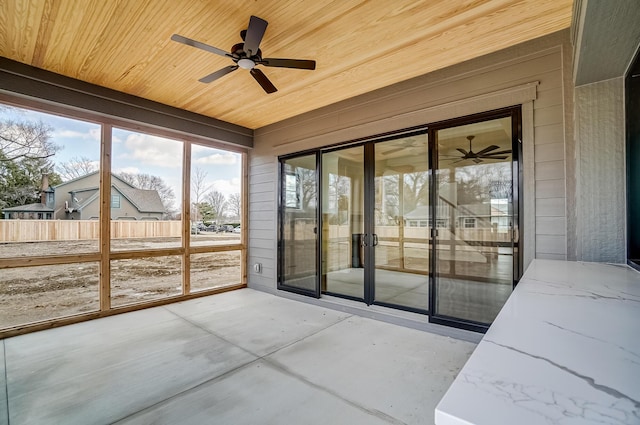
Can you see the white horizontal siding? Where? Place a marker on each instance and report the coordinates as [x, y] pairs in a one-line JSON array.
[[549, 152], [550, 207], [262, 220], [553, 133], [551, 244], [550, 170], [550, 96], [551, 225], [550, 188]]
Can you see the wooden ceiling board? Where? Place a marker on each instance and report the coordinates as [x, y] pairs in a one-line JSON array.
[[359, 46]]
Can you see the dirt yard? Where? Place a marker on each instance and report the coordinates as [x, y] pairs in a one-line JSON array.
[[30, 294]]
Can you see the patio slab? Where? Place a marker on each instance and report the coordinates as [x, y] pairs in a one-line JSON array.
[[242, 357], [400, 372], [100, 371], [257, 394], [258, 322]]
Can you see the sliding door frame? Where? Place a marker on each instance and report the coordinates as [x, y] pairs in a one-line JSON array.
[[515, 112], [280, 229]]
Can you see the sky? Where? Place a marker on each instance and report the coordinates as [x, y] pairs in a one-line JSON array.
[[135, 152]]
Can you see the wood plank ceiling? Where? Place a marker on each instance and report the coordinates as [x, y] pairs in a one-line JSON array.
[[359, 45]]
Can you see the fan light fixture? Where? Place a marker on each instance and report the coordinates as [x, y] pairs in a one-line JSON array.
[[247, 55], [246, 63]]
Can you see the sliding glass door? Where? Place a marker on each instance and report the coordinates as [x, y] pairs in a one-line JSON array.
[[343, 217], [298, 254], [401, 223], [475, 219], [424, 221], [375, 232]]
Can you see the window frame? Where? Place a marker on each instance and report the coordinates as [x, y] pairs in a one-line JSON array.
[[632, 152], [469, 223], [115, 201], [105, 256]]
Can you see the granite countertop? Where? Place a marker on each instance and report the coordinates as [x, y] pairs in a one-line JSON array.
[[565, 349]]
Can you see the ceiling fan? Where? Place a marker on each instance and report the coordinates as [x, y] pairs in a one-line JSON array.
[[247, 55], [407, 144], [485, 153]]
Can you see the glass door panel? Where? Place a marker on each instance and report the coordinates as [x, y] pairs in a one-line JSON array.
[[343, 222], [474, 217], [299, 224], [401, 222]]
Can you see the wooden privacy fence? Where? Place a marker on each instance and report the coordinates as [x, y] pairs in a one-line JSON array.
[[68, 230]]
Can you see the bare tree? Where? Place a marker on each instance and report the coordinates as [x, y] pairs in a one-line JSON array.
[[308, 178], [199, 187], [235, 204], [217, 202], [149, 182], [416, 189], [26, 139], [77, 166], [25, 151]]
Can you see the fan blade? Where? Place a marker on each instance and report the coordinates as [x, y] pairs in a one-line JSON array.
[[289, 63], [499, 152], [263, 81], [219, 73], [199, 45], [255, 32], [477, 161], [462, 151], [493, 157], [488, 149], [389, 152]]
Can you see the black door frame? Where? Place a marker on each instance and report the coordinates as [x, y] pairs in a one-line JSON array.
[[369, 240], [369, 200], [280, 229], [515, 112]]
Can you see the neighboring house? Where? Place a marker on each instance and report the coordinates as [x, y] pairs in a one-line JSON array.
[[37, 211], [42, 210], [474, 216], [79, 199]]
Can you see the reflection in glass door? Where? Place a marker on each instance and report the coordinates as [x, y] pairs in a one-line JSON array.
[[401, 223], [298, 225], [474, 218], [343, 212]]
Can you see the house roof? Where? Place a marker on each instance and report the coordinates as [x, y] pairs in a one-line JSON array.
[[423, 212], [93, 173], [37, 207], [75, 179], [359, 46], [146, 201]]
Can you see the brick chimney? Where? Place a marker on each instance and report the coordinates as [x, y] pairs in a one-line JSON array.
[[44, 187]]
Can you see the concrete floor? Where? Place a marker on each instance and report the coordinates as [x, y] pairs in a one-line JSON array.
[[242, 357]]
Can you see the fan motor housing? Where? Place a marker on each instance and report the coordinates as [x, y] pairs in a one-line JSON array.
[[237, 51]]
